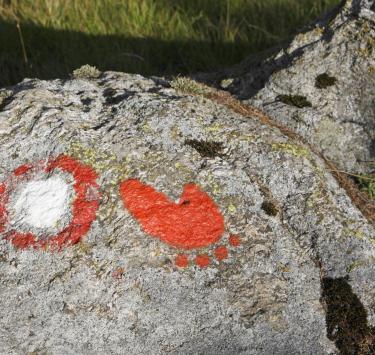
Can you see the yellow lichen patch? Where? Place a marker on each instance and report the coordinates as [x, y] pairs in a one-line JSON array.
[[104, 162], [175, 133], [146, 128], [200, 120], [182, 167], [356, 233], [216, 189], [282, 267], [232, 208], [215, 128], [319, 197], [292, 149], [355, 265], [100, 161], [239, 136], [367, 41]]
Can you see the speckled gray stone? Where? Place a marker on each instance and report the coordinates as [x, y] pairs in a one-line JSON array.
[[332, 65], [118, 291]]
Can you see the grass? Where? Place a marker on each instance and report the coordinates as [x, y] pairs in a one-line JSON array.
[[367, 184], [51, 38]]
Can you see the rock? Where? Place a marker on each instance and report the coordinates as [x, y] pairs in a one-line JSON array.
[[321, 85], [136, 218]]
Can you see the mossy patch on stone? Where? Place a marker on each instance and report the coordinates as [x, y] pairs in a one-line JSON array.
[[346, 318], [188, 86], [269, 208], [86, 72], [225, 83], [207, 149], [295, 100], [323, 81], [5, 98]]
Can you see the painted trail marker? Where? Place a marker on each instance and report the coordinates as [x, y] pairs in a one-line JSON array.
[[48, 204], [121, 289], [193, 222], [52, 204]]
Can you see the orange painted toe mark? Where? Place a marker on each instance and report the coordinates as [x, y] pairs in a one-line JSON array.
[[194, 222], [181, 260], [221, 253], [22, 170], [202, 260], [234, 240]]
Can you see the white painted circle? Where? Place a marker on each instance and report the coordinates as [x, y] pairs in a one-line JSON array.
[[41, 204]]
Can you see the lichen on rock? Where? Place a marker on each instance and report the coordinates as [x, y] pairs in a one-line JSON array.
[[327, 70], [131, 278]]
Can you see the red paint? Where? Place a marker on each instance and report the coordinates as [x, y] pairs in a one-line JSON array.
[[182, 260], [202, 260], [234, 240], [194, 222], [221, 253], [23, 169], [84, 206]]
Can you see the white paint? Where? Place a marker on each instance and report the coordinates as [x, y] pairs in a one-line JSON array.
[[41, 203]]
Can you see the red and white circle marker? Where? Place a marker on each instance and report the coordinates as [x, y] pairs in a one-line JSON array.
[[49, 204]]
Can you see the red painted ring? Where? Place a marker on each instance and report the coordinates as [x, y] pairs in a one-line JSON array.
[[84, 206]]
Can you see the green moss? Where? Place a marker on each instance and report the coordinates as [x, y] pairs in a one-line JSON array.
[[294, 100], [346, 318], [187, 86], [206, 149], [86, 72], [323, 81], [367, 184]]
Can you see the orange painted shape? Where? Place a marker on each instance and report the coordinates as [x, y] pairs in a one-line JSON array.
[[181, 260], [23, 169], [202, 260], [221, 253], [234, 240], [194, 222]]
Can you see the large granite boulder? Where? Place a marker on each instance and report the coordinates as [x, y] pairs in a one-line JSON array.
[[321, 85], [138, 219]]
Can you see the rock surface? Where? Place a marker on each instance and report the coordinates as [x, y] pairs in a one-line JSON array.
[[286, 266], [321, 85]]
